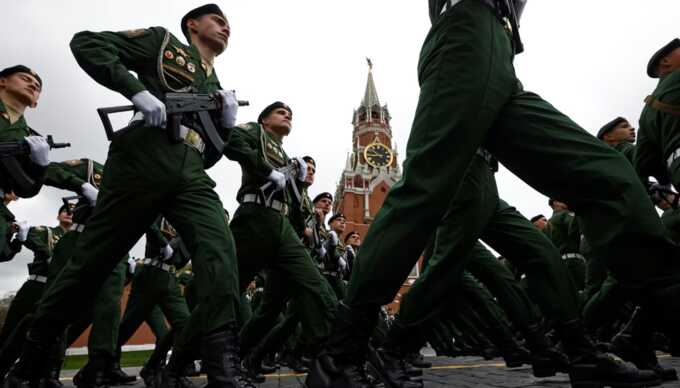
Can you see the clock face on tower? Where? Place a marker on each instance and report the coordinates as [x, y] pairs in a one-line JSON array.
[[378, 155]]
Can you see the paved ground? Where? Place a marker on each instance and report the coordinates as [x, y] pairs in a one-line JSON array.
[[464, 372]]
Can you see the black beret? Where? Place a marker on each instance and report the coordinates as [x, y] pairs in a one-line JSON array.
[[652, 66], [269, 109], [66, 208], [309, 159], [336, 216], [609, 126], [196, 13], [537, 217], [321, 196], [350, 234], [550, 202], [20, 69]]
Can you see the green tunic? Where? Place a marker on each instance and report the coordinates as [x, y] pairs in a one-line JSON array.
[[12, 132], [671, 220]]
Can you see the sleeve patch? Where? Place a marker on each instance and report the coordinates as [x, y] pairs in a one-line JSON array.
[[134, 33]]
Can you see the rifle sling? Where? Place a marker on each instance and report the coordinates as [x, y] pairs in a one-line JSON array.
[[655, 104]]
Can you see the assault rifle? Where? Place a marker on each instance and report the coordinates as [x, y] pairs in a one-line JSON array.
[[176, 105], [291, 171], [20, 147], [23, 184]]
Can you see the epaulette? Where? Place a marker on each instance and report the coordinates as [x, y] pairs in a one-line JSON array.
[[134, 33]]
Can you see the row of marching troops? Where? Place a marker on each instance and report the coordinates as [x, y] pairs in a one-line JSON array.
[[472, 114]]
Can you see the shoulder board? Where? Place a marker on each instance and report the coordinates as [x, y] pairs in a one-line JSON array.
[[40, 228], [135, 33], [249, 126], [73, 162]]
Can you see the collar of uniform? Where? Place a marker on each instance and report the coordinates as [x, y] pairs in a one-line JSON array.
[[21, 122], [194, 53]]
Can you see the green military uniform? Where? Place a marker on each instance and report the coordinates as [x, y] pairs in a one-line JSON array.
[[671, 220], [470, 96], [41, 240], [265, 238], [330, 267], [564, 232], [12, 132], [147, 174], [155, 285]]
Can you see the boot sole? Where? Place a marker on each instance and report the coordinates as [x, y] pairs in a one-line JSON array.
[[603, 384]]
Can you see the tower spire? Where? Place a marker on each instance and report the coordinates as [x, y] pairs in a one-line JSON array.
[[371, 94]]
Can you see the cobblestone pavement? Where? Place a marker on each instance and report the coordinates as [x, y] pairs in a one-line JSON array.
[[462, 372]]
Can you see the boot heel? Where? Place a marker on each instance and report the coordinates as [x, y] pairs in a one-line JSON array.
[[543, 371], [587, 384]]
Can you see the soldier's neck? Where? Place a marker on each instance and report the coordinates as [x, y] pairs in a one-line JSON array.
[[278, 137], [65, 227], [13, 107], [207, 56]]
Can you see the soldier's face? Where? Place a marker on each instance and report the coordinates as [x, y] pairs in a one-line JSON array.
[[670, 63], [9, 197], [65, 218], [22, 86], [324, 204], [354, 240], [279, 121], [622, 132], [311, 173], [541, 223], [338, 225], [213, 30]]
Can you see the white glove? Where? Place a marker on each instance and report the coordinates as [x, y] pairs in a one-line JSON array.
[[321, 251], [302, 172], [342, 264], [40, 150], [350, 250], [132, 264], [22, 233], [167, 251], [334, 237], [278, 179], [229, 107], [90, 192], [152, 108]]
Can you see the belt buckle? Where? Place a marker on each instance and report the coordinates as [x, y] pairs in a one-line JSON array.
[[193, 139], [507, 25]]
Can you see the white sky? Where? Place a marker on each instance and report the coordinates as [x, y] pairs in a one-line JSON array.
[[587, 58]]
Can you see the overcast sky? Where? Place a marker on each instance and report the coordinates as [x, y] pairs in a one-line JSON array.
[[587, 58]]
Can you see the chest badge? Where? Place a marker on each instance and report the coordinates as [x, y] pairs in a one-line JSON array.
[[168, 54], [181, 61], [191, 67]]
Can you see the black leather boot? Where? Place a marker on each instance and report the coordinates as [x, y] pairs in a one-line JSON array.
[[222, 362], [54, 363], [341, 363], [514, 354], [172, 375], [93, 374], [546, 360], [590, 368], [116, 376], [31, 368]]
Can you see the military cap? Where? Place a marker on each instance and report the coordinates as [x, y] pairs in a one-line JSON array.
[[336, 216], [321, 196], [196, 13], [20, 69], [537, 217], [655, 60], [269, 109], [309, 159], [550, 202], [610, 126], [66, 208]]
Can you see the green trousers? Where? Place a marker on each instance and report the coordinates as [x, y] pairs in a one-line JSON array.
[[153, 288], [145, 176], [337, 285], [265, 239], [470, 97], [104, 316], [22, 305]]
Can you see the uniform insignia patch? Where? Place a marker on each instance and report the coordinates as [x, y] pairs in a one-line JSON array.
[[181, 61], [204, 66], [168, 54], [134, 33], [243, 126], [191, 67], [180, 51], [74, 162], [5, 115], [40, 228]]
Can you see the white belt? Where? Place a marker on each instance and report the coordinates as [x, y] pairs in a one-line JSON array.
[[273, 204], [38, 278], [159, 264], [191, 137], [573, 256], [448, 5], [77, 227], [674, 156]]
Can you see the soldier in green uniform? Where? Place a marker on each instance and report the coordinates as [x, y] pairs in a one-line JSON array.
[[9, 246], [20, 88], [563, 231], [264, 234], [149, 173], [620, 135], [41, 240], [334, 262], [471, 96], [155, 285]]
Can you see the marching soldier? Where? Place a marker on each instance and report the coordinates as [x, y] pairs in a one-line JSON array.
[[264, 235], [334, 262], [149, 172], [20, 88], [620, 135], [563, 230]]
